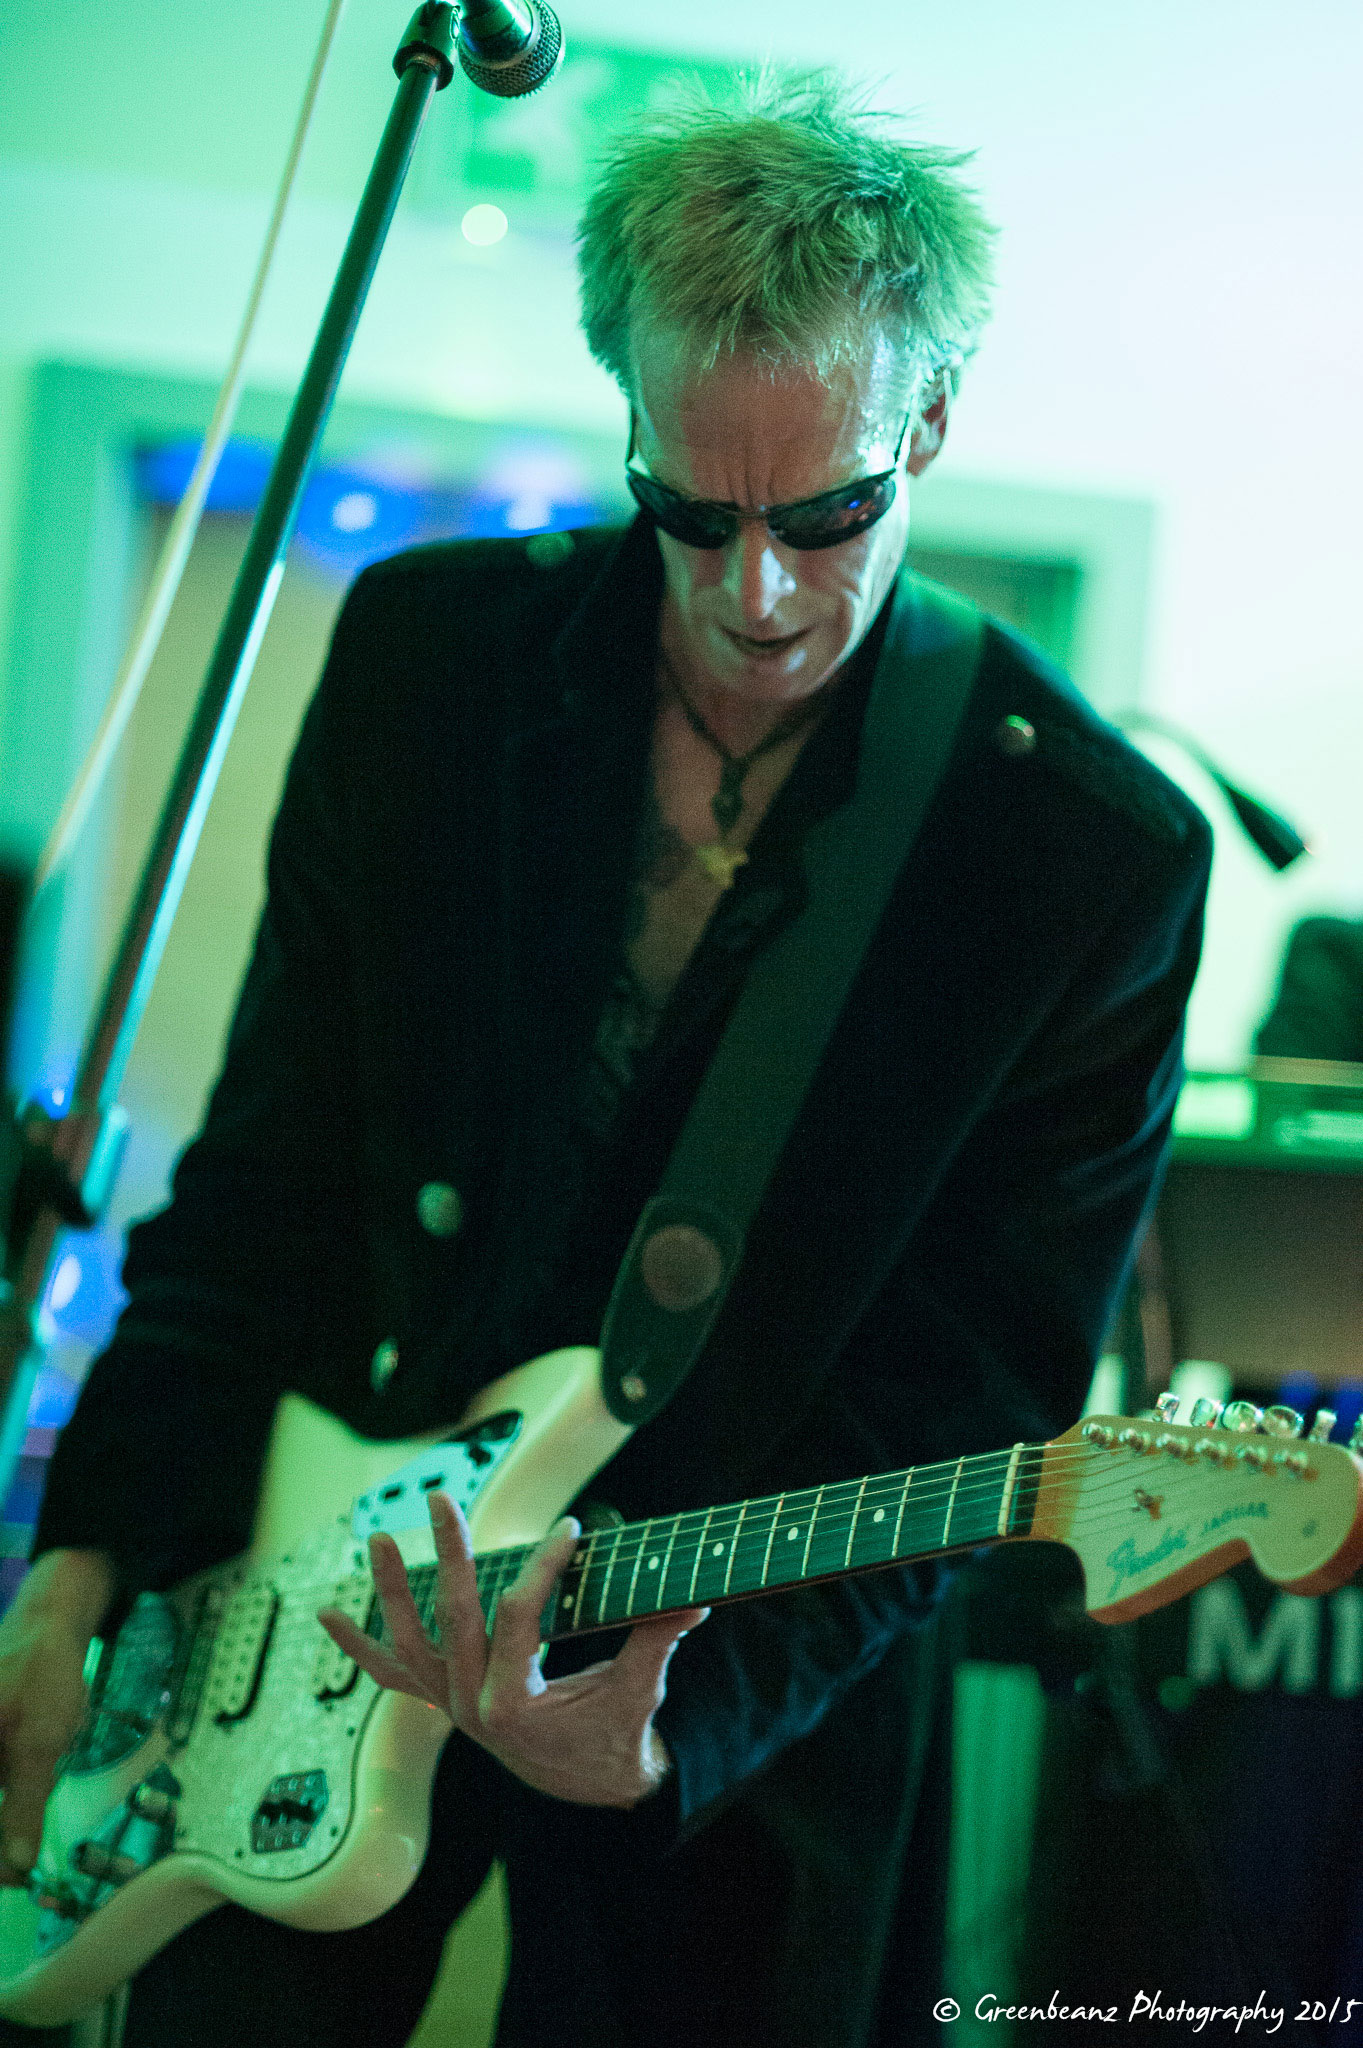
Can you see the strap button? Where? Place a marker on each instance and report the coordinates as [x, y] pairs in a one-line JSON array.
[[680, 1266]]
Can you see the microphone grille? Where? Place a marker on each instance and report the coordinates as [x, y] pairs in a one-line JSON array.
[[515, 78]]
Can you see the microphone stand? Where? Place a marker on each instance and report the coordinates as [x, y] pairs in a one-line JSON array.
[[60, 1169]]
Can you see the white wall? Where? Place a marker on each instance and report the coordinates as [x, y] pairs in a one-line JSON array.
[[1180, 189]]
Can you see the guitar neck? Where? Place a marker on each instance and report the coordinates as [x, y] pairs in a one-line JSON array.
[[710, 1555]]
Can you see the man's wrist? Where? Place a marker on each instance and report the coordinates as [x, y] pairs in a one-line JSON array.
[[76, 1585]]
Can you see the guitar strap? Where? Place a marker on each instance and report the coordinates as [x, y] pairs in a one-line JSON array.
[[689, 1241]]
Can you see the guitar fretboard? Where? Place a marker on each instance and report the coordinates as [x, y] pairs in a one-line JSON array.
[[705, 1556]]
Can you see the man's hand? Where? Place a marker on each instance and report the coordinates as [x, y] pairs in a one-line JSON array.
[[589, 1737], [43, 1641]]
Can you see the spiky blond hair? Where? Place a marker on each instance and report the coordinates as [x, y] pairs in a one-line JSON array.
[[793, 225]]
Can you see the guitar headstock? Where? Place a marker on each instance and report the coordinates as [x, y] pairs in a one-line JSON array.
[[1153, 1508]]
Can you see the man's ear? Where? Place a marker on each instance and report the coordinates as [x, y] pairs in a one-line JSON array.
[[930, 430]]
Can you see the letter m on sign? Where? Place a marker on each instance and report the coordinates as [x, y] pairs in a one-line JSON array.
[[1222, 1643]]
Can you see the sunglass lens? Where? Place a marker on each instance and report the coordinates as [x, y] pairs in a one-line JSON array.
[[826, 522], [696, 526]]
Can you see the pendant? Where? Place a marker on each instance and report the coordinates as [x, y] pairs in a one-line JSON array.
[[727, 803], [721, 863]]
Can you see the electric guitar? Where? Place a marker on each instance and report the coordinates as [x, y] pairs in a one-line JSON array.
[[231, 1751]]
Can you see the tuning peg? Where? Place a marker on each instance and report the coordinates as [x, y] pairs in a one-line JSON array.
[[1205, 1413], [1323, 1424], [1280, 1421], [1241, 1415], [1356, 1436], [1166, 1407]]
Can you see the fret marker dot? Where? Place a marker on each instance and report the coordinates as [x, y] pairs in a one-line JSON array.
[[791, 1534], [653, 1564], [879, 1515], [718, 1550]]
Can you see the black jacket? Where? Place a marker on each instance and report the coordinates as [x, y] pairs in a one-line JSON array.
[[448, 882]]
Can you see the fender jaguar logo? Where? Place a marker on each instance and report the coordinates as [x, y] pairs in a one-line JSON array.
[[1152, 1503], [1127, 1562]]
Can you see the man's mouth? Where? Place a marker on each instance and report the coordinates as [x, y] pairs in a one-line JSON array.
[[765, 643]]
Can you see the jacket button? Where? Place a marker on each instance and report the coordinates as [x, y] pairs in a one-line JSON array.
[[439, 1209], [1015, 736], [383, 1365]]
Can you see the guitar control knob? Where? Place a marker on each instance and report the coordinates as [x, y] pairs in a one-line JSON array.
[[150, 1801], [1166, 1407], [1323, 1424], [1205, 1413], [1281, 1421], [1241, 1415], [97, 1860]]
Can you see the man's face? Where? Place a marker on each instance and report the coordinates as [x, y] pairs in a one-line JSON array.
[[769, 622]]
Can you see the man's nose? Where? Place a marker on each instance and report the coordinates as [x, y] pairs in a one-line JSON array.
[[754, 572]]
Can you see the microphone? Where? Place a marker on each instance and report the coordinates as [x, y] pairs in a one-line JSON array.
[[509, 47]]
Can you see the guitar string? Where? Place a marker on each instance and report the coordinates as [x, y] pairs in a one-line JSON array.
[[827, 1505], [828, 1515], [1095, 1520], [826, 1512]]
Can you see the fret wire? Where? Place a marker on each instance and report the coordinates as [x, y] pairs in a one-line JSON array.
[[638, 1560], [605, 1590], [813, 1513], [700, 1552], [899, 1518], [852, 1525], [771, 1535], [667, 1560], [733, 1548]]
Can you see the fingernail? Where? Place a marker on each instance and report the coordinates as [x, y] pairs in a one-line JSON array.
[[568, 1525], [19, 1855]]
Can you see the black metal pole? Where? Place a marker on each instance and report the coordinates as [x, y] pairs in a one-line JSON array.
[[424, 67]]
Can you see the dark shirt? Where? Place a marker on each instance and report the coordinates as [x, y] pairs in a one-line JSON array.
[[629, 1108]]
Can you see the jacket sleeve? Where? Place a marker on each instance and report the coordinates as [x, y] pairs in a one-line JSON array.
[[986, 1332], [257, 1262]]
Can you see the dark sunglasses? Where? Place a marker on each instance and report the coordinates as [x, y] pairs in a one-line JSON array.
[[821, 522]]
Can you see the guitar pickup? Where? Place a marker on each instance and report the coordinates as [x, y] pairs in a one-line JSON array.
[[239, 1653], [334, 1674]]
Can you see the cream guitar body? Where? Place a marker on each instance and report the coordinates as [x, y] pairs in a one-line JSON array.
[[232, 1753], [286, 1781]]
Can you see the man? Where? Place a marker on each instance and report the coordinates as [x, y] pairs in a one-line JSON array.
[[549, 802]]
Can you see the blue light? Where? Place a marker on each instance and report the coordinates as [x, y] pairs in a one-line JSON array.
[[238, 484], [350, 517]]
